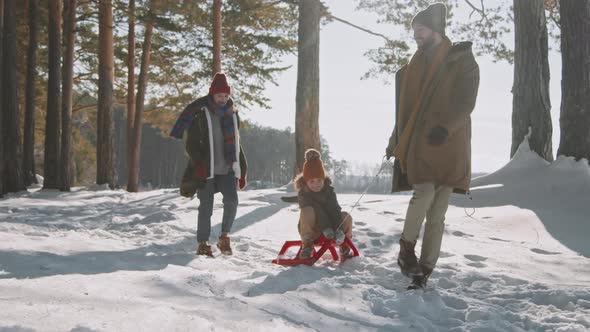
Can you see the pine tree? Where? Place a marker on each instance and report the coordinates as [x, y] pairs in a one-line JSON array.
[[69, 24], [30, 92], [53, 118], [531, 105], [2, 177], [105, 144], [131, 93], [307, 131], [216, 37], [14, 180], [133, 180], [575, 79]]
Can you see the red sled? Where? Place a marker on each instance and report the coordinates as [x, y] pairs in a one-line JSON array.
[[323, 244]]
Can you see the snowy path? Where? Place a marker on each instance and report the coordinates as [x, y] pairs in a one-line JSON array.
[[114, 261]]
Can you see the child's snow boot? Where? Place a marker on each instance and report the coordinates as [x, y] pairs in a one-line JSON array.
[[306, 250], [345, 252]]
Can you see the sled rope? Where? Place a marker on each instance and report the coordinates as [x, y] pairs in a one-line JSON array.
[[384, 163], [470, 215]]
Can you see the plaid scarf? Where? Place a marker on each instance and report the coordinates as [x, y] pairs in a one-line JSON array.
[[184, 121], [226, 116]]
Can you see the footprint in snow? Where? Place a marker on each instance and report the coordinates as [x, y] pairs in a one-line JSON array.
[[461, 234], [400, 219], [454, 302], [497, 239], [544, 252], [476, 258], [476, 261], [360, 223], [361, 245], [444, 254], [242, 247], [376, 242], [375, 201]]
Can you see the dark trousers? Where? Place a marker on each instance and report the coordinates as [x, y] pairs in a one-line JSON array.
[[227, 185]]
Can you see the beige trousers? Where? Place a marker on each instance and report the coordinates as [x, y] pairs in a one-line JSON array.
[[431, 202], [309, 229]]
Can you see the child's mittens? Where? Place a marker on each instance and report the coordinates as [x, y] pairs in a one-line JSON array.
[[339, 237], [328, 233]]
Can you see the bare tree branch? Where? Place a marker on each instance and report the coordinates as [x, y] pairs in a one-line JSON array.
[[330, 16], [481, 11]]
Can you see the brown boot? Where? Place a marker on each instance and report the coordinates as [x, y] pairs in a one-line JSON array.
[[419, 281], [426, 272], [306, 250], [345, 252], [407, 260], [224, 244], [204, 249]]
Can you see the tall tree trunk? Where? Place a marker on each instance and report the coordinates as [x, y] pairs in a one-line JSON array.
[[105, 144], [69, 25], [575, 79], [2, 129], [216, 37], [13, 171], [131, 172], [29, 132], [53, 118], [133, 184], [530, 104], [307, 131]]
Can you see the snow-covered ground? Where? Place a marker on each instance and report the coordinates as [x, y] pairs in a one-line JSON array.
[[101, 260]]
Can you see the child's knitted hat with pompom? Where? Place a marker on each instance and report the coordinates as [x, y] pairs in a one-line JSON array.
[[313, 167]]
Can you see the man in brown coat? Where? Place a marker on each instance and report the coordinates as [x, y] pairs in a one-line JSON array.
[[431, 140]]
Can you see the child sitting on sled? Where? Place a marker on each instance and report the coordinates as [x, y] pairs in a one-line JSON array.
[[320, 211]]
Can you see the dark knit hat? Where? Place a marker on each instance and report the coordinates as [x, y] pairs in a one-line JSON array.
[[313, 167], [433, 17], [219, 85]]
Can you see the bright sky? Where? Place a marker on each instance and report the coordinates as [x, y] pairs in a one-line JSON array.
[[357, 116]]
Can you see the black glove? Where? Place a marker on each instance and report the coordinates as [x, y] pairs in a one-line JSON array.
[[388, 152], [438, 136]]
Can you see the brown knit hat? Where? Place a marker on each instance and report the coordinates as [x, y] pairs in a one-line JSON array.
[[219, 85], [313, 167], [433, 17]]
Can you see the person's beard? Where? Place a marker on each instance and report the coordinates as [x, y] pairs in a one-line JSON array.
[[426, 43]]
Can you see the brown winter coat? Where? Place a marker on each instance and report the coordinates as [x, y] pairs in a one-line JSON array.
[[324, 203], [448, 101]]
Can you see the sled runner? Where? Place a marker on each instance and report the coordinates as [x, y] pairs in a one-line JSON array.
[[323, 244]]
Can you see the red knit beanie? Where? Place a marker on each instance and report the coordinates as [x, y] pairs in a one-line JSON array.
[[219, 85], [313, 167]]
